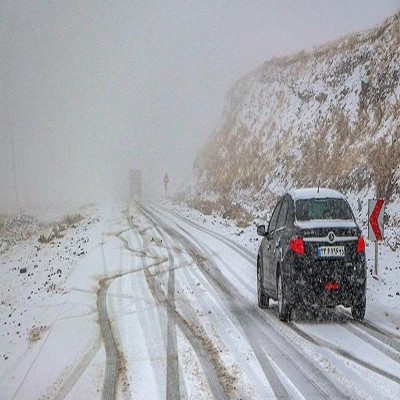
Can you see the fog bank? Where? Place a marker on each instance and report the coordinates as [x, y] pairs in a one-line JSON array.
[[91, 89]]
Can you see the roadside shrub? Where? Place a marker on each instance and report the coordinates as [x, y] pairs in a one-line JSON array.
[[57, 229], [237, 213], [384, 158], [204, 206], [71, 219]]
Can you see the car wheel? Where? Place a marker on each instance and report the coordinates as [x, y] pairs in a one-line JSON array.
[[283, 307], [358, 309], [263, 299]]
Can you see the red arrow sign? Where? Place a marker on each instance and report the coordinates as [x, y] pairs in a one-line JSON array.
[[373, 220]]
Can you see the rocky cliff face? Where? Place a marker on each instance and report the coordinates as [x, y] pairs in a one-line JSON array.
[[328, 116]]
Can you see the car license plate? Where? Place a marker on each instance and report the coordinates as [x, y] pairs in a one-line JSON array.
[[331, 251]]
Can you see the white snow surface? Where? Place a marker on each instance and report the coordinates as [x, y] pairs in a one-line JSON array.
[[207, 323], [323, 223], [315, 193]]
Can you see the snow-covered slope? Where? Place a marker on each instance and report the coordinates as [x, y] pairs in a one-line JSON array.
[[331, 115]]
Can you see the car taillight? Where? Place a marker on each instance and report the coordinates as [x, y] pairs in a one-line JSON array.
[[297, 245], [360, 245], [331, 286]]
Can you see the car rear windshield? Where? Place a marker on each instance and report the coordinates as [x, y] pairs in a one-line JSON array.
[[309, 209]]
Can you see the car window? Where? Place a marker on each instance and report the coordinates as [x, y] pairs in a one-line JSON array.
[[309, 209], [274, 218], [282, 215]]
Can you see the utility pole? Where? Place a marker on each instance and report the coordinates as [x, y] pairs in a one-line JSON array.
[[14, 166]]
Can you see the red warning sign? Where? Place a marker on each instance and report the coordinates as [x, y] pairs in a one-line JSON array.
[[375, 219]]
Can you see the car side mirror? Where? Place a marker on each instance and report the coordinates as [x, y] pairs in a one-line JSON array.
[[261, 230]]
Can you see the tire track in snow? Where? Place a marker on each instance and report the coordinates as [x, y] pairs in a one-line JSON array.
[[112, 356], [140, 253], [78, 371], [241, 250], [375, 342], [336, 349], [227, 334], [114, 359], [285, 357], [173, 387], [172, 378], [202, 346], [199, 343], [148, 325], [277, 387], [371, 329]]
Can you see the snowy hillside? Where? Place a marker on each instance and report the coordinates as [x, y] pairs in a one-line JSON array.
[[331, 115]]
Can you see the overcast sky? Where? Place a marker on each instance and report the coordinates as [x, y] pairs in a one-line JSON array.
[[90, 89]]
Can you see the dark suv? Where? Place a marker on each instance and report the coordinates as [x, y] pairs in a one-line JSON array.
[[312, 253]]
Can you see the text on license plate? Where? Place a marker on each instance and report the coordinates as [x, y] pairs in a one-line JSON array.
[[331, 251]]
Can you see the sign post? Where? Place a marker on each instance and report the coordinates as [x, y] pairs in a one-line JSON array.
[[166, 181], [375, 225]]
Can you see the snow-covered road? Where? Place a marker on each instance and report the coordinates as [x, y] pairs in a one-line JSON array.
[[165, 307]]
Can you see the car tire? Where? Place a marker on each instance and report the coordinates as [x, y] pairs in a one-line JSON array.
[[283, 307], [358, 309], [263, 299]]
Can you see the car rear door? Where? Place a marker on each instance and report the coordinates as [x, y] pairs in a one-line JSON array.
[[279, 240], [269, 250]]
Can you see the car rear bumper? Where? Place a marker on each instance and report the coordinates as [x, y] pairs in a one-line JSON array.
[[327, 283], [318, 293]]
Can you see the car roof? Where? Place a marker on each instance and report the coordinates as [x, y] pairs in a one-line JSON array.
[[315, 193]]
